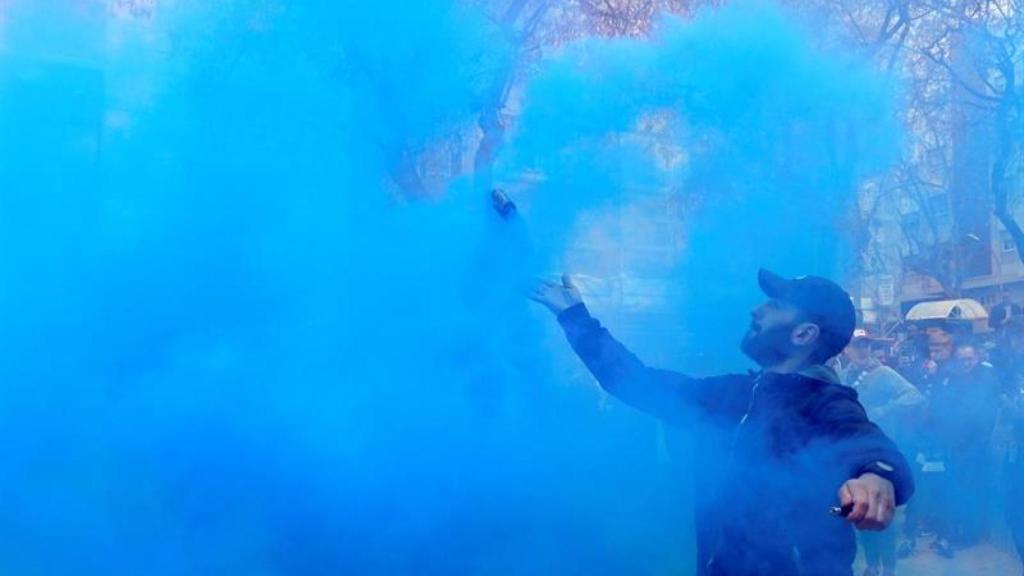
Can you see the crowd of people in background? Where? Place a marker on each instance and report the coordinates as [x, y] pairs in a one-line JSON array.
[[953, 399]]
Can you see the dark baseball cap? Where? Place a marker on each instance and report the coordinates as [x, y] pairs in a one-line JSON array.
[[829, 305]]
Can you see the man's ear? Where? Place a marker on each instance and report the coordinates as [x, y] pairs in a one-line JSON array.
[[805, 334]]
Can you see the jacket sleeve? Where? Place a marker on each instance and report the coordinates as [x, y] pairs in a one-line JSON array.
[[860, 446], [671, 396], [902, 395]]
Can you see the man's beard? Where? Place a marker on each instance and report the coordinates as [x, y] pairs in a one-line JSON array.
[[767, 347]]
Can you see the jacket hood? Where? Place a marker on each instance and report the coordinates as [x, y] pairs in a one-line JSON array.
[[814, 378], [821, 372]]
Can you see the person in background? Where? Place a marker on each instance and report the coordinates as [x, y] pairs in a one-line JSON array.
[[940, 352], [1009, 360], [924, 352], [886, 395], [1013, 408], [909, 350], [933, 349], [963, 406], [882, 352], [1003, 312], [893, 404]]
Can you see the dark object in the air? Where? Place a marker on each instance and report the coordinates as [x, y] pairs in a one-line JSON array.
[[841, 511], [504, 205]]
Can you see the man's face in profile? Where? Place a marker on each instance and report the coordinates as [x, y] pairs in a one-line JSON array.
[[768, 339]]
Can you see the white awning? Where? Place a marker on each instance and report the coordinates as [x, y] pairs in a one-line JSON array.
[[961, 309]]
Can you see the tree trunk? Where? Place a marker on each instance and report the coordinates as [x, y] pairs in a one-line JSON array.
[[1004, 152], [490, 119]]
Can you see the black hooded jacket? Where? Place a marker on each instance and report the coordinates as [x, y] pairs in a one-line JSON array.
[[794, 440]]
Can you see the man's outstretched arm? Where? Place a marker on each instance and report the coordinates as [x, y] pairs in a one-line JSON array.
[[668, 395], [880, 477]]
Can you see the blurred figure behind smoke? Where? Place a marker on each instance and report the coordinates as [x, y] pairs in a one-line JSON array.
[[1009, 358], [910, 349], [963, 405], [928, 353], [894, 404], [1003, 312], [890, 400]]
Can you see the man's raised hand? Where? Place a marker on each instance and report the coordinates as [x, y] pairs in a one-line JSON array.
[[557, 297]]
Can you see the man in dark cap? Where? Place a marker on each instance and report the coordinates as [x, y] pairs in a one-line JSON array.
[[801, 441]]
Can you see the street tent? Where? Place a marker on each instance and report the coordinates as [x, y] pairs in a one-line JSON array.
[[959, 309]]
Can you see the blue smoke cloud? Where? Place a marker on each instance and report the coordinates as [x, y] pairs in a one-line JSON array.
[[231, 346], [735, 117]]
